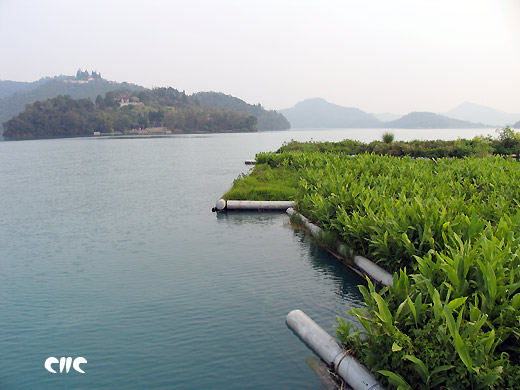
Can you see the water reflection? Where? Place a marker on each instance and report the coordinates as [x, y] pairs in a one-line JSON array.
[[321, 261], [248, 217]]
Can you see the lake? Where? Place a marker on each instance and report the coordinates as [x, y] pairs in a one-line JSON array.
[[109, 251]]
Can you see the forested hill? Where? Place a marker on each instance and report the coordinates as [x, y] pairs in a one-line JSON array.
[[14, 96], [123, 111], [27, 93], [267, 119], [429, 120]]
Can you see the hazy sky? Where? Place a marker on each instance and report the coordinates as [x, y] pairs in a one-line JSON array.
[[379, 55]]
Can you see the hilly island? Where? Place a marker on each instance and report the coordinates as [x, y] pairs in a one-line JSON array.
[[86, 104]]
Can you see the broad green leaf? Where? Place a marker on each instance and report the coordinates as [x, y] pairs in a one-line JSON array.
[[400, 309], [383, 313], [463, 352], [395, 379], [450, 321], [488, 341], [396, 348], [437, 305], [441, 368], [475, 327], [515, 302], [455, 303], [419, 366], [411, 305]]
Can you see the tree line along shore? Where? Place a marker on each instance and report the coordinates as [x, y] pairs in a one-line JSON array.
[[444, 217], [128, 111]]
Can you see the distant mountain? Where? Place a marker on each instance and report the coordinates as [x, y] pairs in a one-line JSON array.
[[387, 116], [13, 104], [429, 120], [267, 120], [516, 125], [477, 113], [8, 87], [318, 113]]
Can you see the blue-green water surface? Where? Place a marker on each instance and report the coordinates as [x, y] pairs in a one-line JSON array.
[[109, 250]]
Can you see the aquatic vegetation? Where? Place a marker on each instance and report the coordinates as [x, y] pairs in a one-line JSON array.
[[507, 143], [265, 183], [448, 228], [393, 209], [454, 322]]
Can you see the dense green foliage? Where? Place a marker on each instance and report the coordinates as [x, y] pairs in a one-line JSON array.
[[388, 137], [508, 142], [395, 209], [265, 183], [450, 230], [160, 107], [267, 119], [61, 116]]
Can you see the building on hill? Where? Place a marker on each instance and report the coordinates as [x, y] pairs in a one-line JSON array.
[[123, 99]]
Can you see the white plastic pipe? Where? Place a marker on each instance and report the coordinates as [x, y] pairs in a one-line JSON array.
[[253, 205], [368, 267], [315, 230], [354, 373], [375, 271]]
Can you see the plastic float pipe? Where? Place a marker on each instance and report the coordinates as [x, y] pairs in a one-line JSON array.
[[375, 271], [368, 267], [354, 373], [315, 230], [253, 205]]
